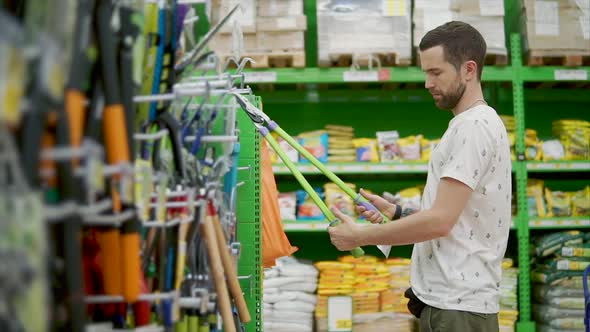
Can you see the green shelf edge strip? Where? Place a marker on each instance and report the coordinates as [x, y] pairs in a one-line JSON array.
[[422, 167]]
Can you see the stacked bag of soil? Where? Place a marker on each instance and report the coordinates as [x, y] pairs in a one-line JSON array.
[[559, 262]]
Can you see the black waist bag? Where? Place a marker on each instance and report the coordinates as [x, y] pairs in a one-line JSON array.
[[415, 305]]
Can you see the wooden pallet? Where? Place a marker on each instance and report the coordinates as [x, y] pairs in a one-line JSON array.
[[346, 59], [496, 60], [274, 59], [534, 59]]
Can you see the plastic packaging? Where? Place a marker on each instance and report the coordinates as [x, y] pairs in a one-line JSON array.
[[410, 147], [336, 198], [581, 202], [535, 201], [388, 145], [288, 205], [558, 203], [306, 208], [316, 142], [553, 150], [551, 243], [366, 149]]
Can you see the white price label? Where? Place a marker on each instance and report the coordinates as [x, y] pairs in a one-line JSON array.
[[571, 75], [360, 76], [567, 251], [563, 265], [260, 76], [491, 7], [546, 18]]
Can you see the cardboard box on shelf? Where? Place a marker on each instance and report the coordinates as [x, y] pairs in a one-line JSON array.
[[223, 43], [364, 27], [557, 28], [488, 20], [275, 8], [273, 40], [285, 23]]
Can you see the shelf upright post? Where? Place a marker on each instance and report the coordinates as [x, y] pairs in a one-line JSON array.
[[249, 220], [522, 223]]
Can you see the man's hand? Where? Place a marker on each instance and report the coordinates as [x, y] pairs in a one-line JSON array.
[[388, 209], [344, 236]]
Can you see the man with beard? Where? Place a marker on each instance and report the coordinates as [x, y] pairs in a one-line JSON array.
[[461, 232]]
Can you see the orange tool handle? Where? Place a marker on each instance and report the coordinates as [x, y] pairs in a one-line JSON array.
[[108, 240], [75, 106], [129, 265], [216, 268], [230, 272], [115, 134]]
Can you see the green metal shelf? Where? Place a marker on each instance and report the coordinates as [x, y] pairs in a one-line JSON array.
[[554, 73], [422, 167], [559, 222], [558, 166], [346, 75], [359, 168], [322, 225]]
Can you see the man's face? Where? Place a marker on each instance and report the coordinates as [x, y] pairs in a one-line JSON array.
[[443, 81]]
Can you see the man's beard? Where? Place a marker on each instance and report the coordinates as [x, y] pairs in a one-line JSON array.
[[450, 100]]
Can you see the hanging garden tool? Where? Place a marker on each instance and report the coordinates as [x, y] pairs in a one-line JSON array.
[[264, 125], [121, 263]]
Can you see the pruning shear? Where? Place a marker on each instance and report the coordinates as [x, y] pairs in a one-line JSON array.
[[264, 125]]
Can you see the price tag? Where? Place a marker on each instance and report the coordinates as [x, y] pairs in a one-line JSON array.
[[366, 75], [571, 75], [567, 251], [260, 76], [563, 265]]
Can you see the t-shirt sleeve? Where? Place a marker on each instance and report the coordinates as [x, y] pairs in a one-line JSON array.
[[470, 153]]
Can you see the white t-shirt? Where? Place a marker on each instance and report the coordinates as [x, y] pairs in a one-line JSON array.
[[462, 271]]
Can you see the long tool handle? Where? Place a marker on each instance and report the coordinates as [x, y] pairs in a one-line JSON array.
[[358, 199], [216, 267], [356, 252], [117, 146], [230, 269]]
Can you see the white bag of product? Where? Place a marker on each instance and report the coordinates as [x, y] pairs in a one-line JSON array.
[[295, 306]]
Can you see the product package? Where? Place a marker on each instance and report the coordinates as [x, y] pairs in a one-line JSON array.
[[306, 208], [336, 198], [366, 149], [581, 202], [410, 147], [287, 148], [288, 205], [558, 203], [388, 147], [316, 142], [535, 200]]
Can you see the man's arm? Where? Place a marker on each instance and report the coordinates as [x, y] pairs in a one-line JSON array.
[[451, 198]]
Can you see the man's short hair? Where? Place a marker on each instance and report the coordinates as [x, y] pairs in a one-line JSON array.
[[460, 42]]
